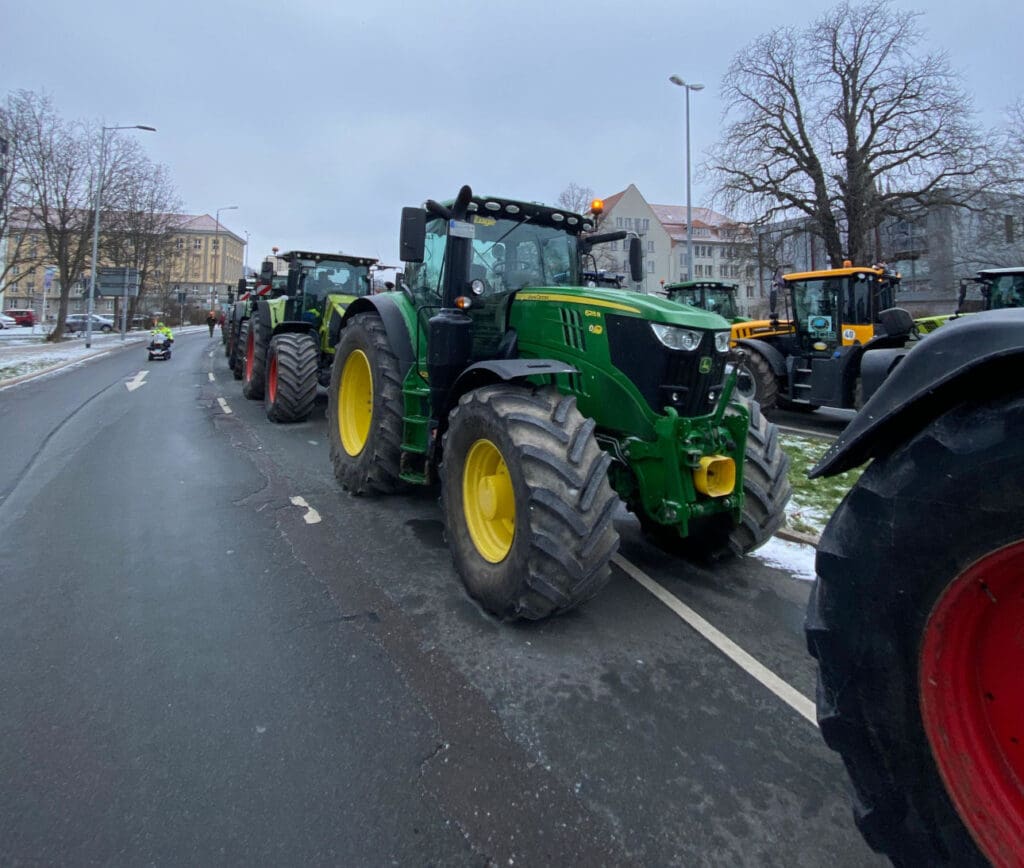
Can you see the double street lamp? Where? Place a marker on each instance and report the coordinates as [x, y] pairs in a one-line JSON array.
[[676, 80], [217, 262], [94, 266]]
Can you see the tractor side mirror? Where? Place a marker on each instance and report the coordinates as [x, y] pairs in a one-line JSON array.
[[240, 286], [773, 301], [896, 321], [961, 296], [636, 260], [413, 235], [266, 272]]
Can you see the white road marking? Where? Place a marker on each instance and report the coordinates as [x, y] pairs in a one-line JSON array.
[[788, 694], [210, 354], [212, 377], [224, 405], [133, 384], [311, 516]]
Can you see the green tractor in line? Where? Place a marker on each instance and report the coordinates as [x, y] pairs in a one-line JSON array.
[[290, 339], [538, 403], [1001, 289], [710, 295]]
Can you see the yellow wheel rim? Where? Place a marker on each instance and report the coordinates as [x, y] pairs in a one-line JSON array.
[[488, 501], [355, 402]]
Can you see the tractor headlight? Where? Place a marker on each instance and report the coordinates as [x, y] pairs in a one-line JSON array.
[[722, 341], [676, 338]]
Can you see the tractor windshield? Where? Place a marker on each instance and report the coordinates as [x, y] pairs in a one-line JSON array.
[[816, 304], [333, 277], [1006, 290], [511, 254]]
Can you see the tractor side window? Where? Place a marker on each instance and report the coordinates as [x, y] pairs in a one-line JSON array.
[[857, 304], [424, 278]]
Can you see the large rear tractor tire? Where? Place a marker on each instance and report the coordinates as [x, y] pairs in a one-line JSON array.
[[766, 491], [254, 372], [916, 622], [527, 504], [237, 358], [291, 377], [756, 380], [364, 409]]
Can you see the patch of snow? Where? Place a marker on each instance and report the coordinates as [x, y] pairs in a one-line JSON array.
[[794, 558]]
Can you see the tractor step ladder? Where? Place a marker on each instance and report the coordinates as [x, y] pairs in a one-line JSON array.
[[415, 429]]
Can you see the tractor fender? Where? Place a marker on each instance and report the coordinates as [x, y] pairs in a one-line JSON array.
[[771, 355], [502, 371], [875, 367], [294, 327], [395, 326], [973, 357]]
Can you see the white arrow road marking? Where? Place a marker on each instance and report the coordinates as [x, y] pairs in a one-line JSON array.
[[787, 693], [212, 378], [133, 384], [224, 405], [311, 516]]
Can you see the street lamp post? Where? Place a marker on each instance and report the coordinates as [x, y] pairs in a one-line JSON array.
[[675, 79], [217, 262], [94, 264]]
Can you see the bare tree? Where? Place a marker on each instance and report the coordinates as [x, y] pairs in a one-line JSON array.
[[58, 157], [576, 198], [13, 241], [844, 124], [138, 230]]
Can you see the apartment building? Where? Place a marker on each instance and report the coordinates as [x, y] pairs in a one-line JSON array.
[[722, 248], [205, 260]]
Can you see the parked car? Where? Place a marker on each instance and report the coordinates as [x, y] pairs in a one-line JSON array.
[[76, 322], [7, 322], [22, 316]]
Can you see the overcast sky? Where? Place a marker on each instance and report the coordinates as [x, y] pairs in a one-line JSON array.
[[320, 120]]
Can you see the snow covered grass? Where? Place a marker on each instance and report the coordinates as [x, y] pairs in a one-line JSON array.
[[813, 501]]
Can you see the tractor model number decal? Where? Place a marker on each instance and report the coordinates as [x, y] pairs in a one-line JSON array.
[[595, 329], [596, 313]]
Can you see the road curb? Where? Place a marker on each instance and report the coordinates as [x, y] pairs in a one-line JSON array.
[[797, 537]]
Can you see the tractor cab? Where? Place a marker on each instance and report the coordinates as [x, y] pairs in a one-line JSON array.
[[1002, 287], [840, 307], [709, 295], [499, 248], [313, 277]]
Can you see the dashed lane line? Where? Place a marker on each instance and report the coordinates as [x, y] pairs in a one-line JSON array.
[[224, 405], [784, 691], [213, 379]]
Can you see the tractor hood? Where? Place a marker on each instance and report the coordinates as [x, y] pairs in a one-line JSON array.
[[648, 307]]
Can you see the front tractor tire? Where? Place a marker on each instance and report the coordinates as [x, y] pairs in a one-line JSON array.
[[254, 358], [915, 620], [364, 409], [527, 504], [291, 377], [757, 381]]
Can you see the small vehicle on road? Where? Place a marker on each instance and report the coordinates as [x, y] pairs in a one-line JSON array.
[[159, 348], [7, 322]]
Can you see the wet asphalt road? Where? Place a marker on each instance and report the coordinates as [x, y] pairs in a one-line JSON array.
[[196, 670]]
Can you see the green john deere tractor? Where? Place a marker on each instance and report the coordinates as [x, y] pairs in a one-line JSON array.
[[291, 338], [710, 295], [538, 403]]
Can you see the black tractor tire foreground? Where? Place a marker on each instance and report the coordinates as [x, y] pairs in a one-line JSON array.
[[366, 424], [757, 380], [916, 621], [526, 500], [291, 377], [766, 491], [237, 358], [254, 357]]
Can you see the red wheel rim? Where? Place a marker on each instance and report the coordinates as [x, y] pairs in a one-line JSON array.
[[250, 351], [972, 699], [272, 380]]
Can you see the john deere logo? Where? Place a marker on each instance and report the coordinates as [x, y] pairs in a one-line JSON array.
[[705, 364]]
